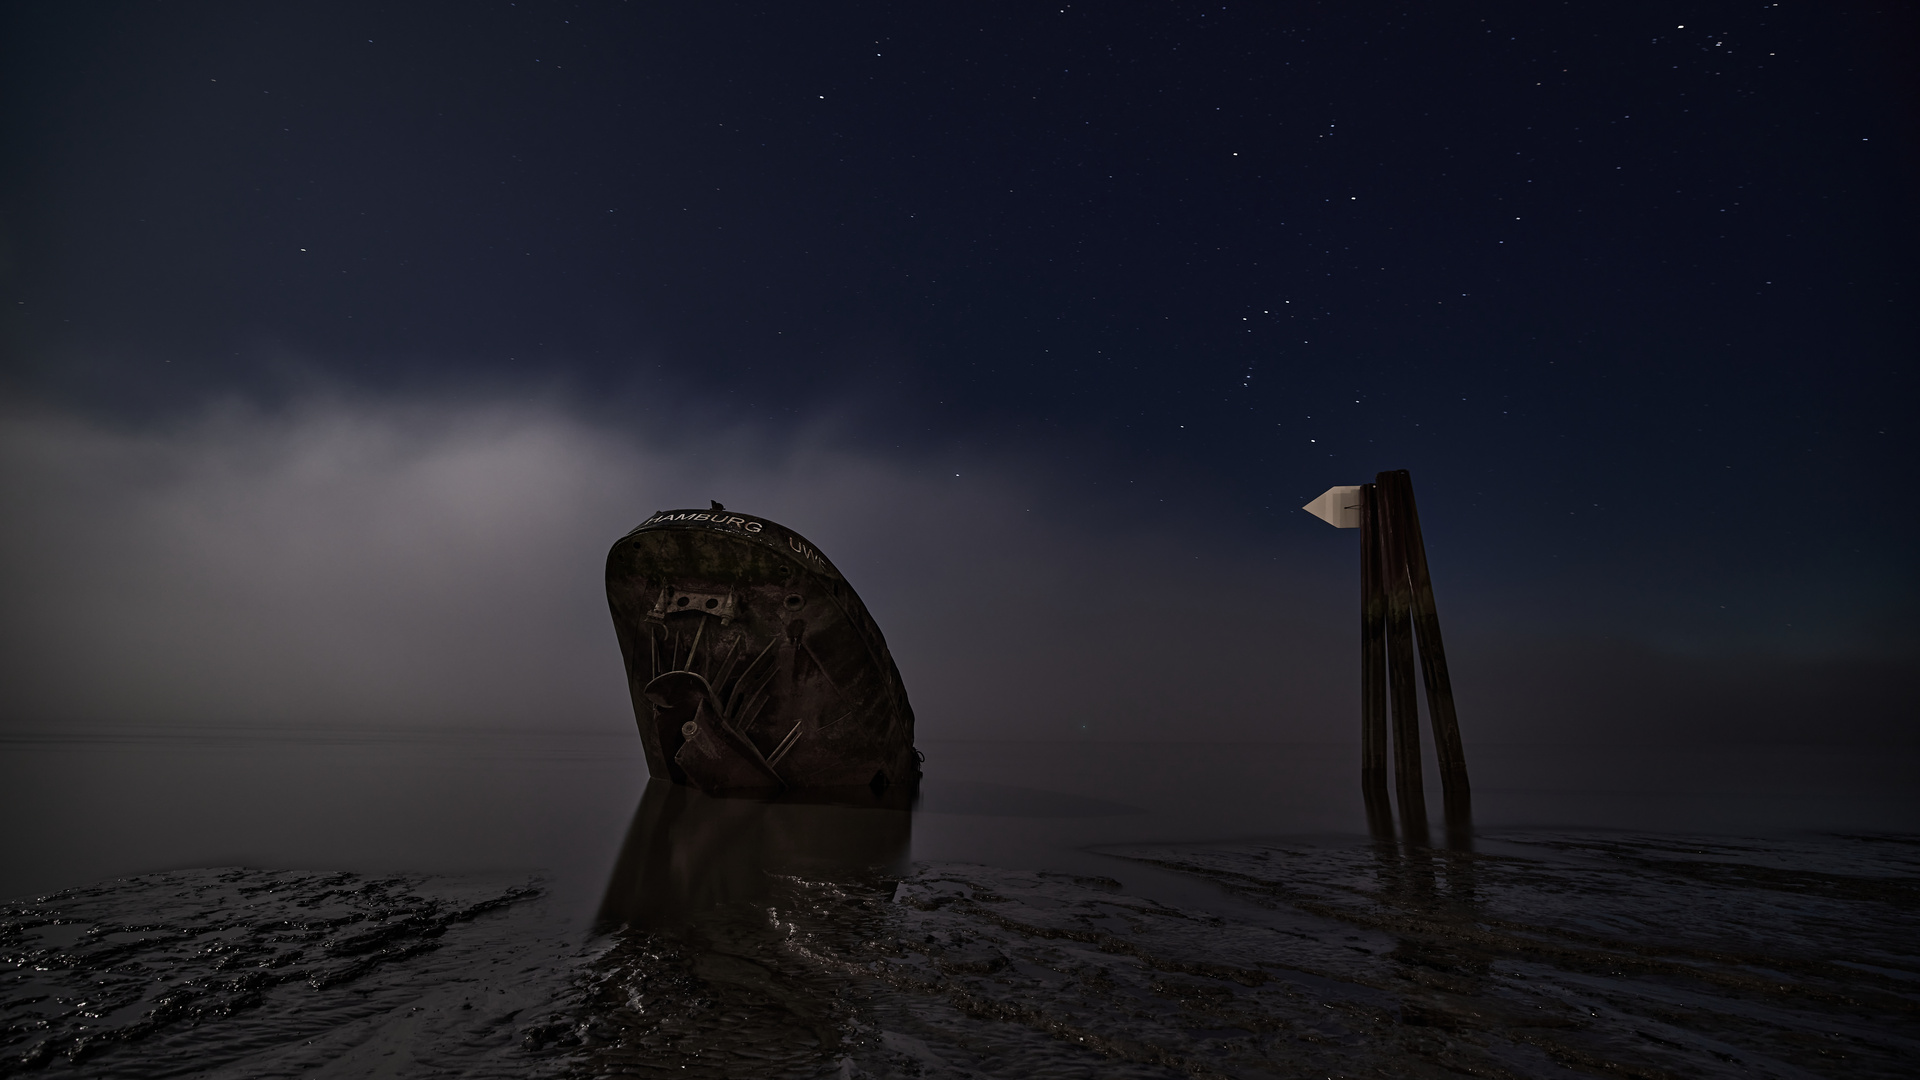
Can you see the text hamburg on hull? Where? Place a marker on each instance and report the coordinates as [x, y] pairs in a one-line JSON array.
[[751, 662]]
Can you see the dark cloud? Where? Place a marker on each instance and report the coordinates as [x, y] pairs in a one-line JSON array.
[[378, 562], [349, 561]]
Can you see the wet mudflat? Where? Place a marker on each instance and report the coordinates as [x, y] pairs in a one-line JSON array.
[[1692, 958], [256, 973], [730, 938], [1541, 954]]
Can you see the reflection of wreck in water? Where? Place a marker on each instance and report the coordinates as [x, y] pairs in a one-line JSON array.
[[688, 856], [729, 922], [752, 663]]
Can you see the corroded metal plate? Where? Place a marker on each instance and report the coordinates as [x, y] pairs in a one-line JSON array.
[[751, 661]]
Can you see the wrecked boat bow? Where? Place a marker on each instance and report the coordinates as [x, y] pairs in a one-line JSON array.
[[752, 664]]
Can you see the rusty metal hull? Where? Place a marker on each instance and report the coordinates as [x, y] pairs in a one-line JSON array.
[[752, 663]]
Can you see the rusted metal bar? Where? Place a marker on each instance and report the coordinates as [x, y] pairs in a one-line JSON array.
[[785, 744], [735, 694], [1433, 664], [1398, 585]]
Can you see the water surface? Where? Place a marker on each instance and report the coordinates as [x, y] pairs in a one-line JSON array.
[[431, 903]]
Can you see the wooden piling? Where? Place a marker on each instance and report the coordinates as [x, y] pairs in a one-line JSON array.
[[1373, 671], [1409, 792], [1433, 661]]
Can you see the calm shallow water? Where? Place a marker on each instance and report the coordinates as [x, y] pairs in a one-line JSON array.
[[492, 904]]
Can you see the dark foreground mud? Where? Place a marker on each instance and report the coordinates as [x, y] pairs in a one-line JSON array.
[[1537, 955], [238, 972]]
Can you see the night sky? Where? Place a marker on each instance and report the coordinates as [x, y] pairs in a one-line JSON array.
[[1042, 320]]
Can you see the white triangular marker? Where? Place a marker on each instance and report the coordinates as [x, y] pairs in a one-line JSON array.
[[1338, 507]]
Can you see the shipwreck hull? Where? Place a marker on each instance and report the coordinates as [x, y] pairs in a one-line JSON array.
[[752, 663]]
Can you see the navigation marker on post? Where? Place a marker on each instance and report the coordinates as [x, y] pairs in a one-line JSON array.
[[1337, 506], [1396, 607]]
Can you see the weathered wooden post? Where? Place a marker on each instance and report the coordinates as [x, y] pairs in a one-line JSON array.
[[1409, 789], [1433, 663], [1396, 608], [1373, 670]]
